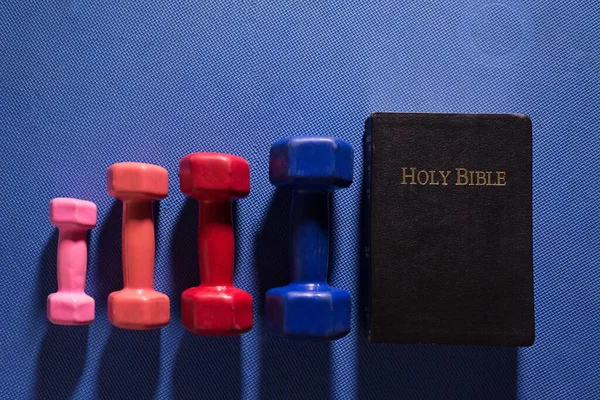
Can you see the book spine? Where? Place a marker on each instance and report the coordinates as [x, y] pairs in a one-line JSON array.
[[365, 269]]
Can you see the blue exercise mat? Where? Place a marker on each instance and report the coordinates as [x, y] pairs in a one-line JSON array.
[[84, 84]]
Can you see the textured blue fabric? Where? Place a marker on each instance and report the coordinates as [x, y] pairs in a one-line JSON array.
[[84, 84]]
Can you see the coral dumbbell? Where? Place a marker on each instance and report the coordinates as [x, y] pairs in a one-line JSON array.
[[308, 308], [138, 305], [216, 307], [70, 305]]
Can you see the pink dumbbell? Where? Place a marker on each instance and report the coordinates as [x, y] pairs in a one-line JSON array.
[[70, 305]]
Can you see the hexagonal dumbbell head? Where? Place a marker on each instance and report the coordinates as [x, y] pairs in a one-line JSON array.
[[308, 308], [137, 181], [138, 309], [214, 176], [308, 311], [67, 213], [216, 310], [216, 307], [70, 305], [138, 305], [321, 163]]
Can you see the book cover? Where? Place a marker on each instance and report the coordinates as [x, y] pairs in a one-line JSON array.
[[449, 248]]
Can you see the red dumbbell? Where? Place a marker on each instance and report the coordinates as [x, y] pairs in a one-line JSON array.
[[216, 307]]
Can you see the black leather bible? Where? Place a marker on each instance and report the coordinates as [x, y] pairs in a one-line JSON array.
[[448, 243]]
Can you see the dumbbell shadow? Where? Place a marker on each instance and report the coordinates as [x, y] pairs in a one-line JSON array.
[[129, 368], [109, 277], [289, 368], [184, 255], [46, 282], [69, 345], [208, 367]]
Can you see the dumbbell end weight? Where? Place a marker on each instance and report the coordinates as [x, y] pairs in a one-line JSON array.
[[308, 311], [70, 308], [216, 310], [311, 163], [138, 309]]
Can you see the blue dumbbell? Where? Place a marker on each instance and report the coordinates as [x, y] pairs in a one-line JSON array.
[[308, 308]]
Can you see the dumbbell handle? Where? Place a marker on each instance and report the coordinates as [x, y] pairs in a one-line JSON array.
[[71, 260], [215, 243], [309, 234], [138, 244]]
